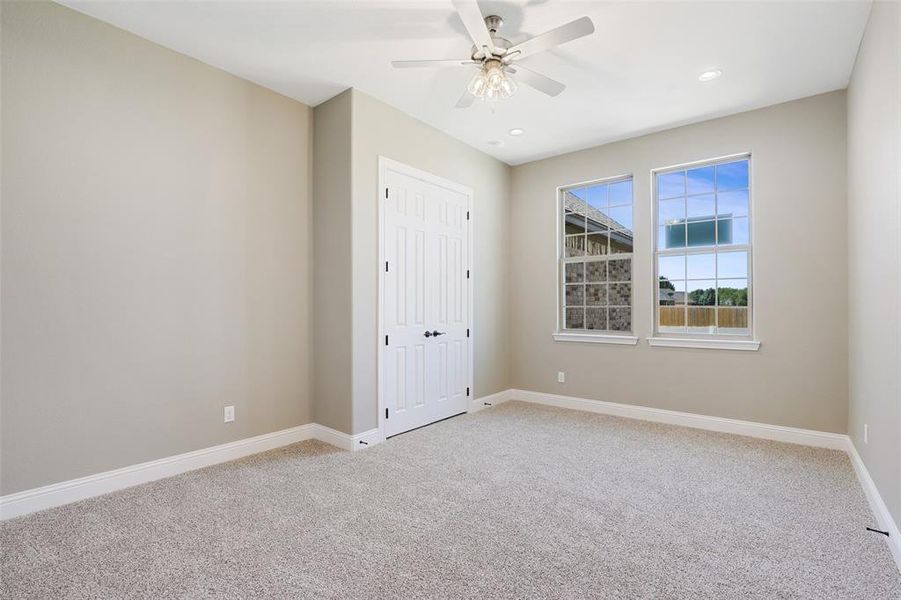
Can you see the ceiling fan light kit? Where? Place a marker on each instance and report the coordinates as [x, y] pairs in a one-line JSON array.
[[494, 56], [491, 82]]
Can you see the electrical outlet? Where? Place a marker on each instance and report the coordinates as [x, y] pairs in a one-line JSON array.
[[866, 433], [561, 377], [229, 414]]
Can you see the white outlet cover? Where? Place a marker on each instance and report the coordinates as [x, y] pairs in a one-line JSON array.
[[561, 377], [229, 414]]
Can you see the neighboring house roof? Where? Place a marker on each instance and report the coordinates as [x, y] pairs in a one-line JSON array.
[[667, 295], [577, 205]]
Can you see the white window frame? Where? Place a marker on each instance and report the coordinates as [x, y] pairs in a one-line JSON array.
[[704, 340], [561, 334]]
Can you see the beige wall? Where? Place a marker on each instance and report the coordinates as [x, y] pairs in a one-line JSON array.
[[874, 196], [332, 291], [156, 251], [158, 238], [351, 131], [379, 129], [799, 376]]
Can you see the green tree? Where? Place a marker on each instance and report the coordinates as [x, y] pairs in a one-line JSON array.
[[733, 296], [702, 297]]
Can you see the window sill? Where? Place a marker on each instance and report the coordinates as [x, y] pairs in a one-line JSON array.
[[708, 344], [596, 338]]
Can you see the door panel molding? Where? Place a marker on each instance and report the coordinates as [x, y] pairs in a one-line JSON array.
[[452, 310]]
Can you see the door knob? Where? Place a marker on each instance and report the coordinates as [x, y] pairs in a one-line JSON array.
[[437, 333], [428, 334]]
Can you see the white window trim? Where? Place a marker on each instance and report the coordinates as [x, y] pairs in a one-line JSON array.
[[596, 338], [561, 334], [708, 343], [700, 340]]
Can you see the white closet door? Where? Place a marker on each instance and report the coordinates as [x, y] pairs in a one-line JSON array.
[[425, 311]]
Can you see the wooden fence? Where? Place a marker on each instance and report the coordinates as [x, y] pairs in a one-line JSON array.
[[704, 316]]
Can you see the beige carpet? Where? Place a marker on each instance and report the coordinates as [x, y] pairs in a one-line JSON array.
[[520, 501]]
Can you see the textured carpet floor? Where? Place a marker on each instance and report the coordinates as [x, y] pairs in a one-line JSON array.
[[520, 501]]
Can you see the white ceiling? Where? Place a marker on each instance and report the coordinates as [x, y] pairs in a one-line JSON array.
[[636, 74]]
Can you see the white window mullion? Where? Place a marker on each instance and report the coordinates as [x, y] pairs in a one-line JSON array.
[[589, 306], [717, 181]]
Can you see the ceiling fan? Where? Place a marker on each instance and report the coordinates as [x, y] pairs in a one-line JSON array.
[[495, 56]]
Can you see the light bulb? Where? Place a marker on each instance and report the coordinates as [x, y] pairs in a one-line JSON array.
[[477, 85], [508, 87], [495, 76], [491, 82]]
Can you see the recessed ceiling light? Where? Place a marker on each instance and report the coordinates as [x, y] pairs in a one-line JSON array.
[[709, 75], [516, 131]]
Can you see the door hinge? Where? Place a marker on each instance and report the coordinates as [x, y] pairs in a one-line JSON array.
[[386, 413], [467, 391], [386, 340], [386, 193], [467, 215], [386, 266], [467, 273], [467, 333]]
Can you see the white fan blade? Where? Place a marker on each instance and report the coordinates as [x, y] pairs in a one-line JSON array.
[[565, 33], [417, 64], [466, 100], [474, 23], [540, 82]]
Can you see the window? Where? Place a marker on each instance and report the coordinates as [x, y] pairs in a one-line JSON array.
[[596, 257], [703, 249]]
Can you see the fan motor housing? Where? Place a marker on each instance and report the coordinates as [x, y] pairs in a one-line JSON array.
[[501, 45], [493, 23]]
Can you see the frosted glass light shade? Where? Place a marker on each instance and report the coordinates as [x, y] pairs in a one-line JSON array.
[[491, 82]]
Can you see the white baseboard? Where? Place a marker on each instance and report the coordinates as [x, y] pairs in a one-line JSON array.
[[367, 439], [880, 510], [477, 404], [57, 494], [806, 437], [345, 441], [29, 501]]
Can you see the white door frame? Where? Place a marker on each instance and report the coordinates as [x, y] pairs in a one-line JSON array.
[[385, 165]]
